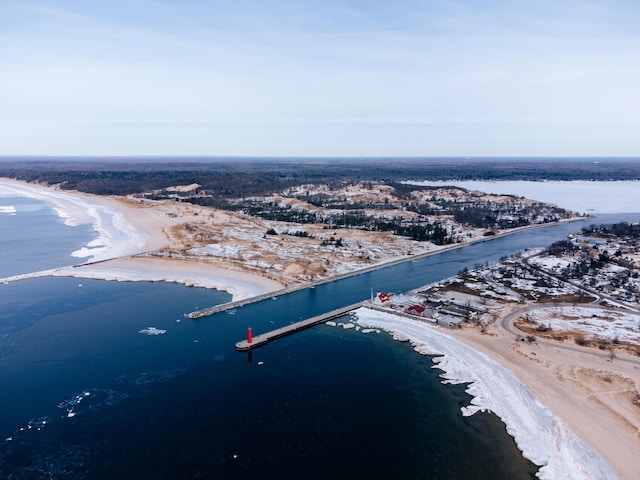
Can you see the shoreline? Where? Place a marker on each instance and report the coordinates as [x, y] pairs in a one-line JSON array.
[[126, 232], [116, 235], [540, 433], [611, 194], [241, 284], [596, 397], [378, 266], [140, 228]]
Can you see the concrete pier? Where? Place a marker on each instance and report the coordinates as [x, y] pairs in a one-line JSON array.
[[205, 312], [263, 339]]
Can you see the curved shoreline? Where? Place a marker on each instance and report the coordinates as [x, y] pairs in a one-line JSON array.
[[541, 436], [116, 236], [123, 268], [146, 234]]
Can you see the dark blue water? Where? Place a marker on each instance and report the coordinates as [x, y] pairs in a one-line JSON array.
[[85, 395], [185, 405], [36, 238]]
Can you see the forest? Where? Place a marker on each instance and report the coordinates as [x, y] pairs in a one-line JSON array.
[[237, 177]]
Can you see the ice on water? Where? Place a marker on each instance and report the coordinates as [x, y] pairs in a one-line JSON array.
[[152, 331]]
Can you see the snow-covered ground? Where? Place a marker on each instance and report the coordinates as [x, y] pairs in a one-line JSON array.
[[594, 322], [578, 196], [116, 236], [541, 437], [550, 263], [238, 287]]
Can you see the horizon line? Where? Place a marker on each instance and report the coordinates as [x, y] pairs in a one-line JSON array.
[[4, 157]]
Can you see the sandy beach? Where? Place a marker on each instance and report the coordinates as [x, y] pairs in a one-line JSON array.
[[593, 395], [128, 230], [549, 399], [211, 248], [570, 411]]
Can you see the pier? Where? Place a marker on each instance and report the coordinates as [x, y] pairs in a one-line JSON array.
[[205, 312], [264, 338]]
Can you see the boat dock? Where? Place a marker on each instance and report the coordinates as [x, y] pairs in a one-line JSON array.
[[264, 338]]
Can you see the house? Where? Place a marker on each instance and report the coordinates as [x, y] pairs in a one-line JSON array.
[[449, 321]]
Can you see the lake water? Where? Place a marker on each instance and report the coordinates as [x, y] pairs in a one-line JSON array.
[[85, 394], [35, 238]]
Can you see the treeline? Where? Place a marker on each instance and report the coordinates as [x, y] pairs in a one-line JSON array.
[[241, 177], [483, 216], [562, 247], [419, 229], [623, 229]]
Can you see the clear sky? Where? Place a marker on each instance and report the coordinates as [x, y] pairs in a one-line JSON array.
[[320, 77]]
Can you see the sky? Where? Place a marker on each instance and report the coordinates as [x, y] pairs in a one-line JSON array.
[[320, 77]]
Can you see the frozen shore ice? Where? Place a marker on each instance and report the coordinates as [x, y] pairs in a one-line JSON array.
[[116, 236], [540, 436]]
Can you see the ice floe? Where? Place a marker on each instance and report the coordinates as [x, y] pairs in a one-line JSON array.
[[152, 331]]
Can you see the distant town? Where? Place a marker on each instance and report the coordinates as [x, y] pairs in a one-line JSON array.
[[584, 290]]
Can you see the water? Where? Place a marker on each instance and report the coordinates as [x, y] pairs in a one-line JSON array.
[[85, 395], [35, 238], [186, 404]]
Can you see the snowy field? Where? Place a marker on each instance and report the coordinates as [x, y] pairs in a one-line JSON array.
[[592, 322], [578, 196], [541, 437]]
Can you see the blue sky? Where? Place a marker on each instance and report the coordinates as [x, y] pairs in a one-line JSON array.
[[307, 77]]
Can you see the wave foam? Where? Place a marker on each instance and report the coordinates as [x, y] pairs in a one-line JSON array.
[[116, 237], [10, 209]]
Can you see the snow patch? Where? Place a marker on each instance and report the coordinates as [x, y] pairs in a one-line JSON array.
[[596, 322]]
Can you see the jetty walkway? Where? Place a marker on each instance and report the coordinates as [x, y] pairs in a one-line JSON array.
[[205, 312], [264, 338]]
